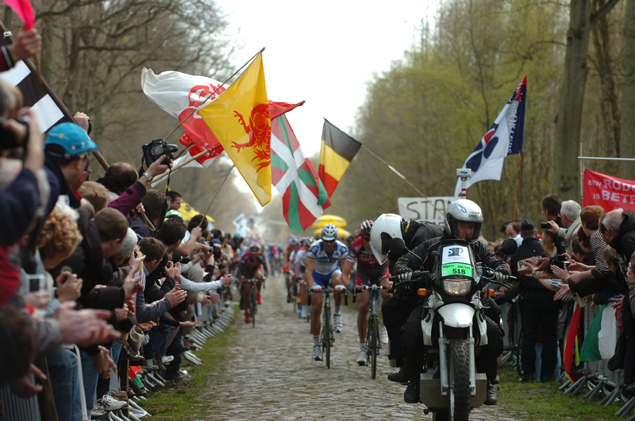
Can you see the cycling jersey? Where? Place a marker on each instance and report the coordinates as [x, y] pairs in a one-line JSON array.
[[248, 267], [369, 271], [300, 258], [326, 263]]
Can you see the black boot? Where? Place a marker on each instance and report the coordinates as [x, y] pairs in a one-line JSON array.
[[492, 395], [412, 394], [399, 377], [527, 378]]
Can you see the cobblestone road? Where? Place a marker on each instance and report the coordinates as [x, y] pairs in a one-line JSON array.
[[270, 375]]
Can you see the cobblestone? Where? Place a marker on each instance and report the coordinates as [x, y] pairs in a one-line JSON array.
[[269, 374]]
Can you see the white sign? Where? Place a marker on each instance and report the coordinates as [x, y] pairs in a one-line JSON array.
[[431, 209], [455, 254]]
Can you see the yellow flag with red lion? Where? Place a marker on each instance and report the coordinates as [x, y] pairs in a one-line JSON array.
[[240, 120]]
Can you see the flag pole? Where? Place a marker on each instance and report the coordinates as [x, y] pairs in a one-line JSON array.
[[181, 165], [520, 165], [215, 90], [216, 194], [400, 175], [7, 34]]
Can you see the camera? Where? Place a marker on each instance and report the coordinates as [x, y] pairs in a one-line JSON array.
[[558, 260], [8, 140], [217, 251], [153, 151], [544, 225]]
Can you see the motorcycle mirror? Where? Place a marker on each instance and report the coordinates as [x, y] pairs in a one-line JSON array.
[[508, 247], [397, 246]]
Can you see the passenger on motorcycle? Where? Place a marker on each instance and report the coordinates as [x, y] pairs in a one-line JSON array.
[[369, 272], [397, 308], [463, 221], [322, 270], [251, 266]]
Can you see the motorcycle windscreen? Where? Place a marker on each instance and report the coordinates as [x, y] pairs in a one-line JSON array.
[[456, 260]]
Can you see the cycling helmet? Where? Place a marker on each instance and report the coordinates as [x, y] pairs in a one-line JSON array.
[[467, 211], [306, 242], [254, 248], [329, 232], [385, 228], [293, 242], [365, 228]]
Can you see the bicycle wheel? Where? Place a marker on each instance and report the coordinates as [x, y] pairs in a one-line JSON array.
[[373, 345], [327, 335], [253, 305]]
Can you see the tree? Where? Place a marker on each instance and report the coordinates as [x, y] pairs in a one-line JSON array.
[[582, 19]]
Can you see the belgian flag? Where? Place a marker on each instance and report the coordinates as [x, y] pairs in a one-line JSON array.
[[338, 150]]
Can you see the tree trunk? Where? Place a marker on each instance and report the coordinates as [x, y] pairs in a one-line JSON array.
[[572, 101], [627, 143]]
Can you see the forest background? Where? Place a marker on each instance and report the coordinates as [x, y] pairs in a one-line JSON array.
[[424, 115]]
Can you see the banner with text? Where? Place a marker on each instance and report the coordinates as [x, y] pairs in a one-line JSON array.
[[431, 209], [608, 192]]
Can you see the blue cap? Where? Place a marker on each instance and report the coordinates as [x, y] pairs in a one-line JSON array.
[[72, 138]]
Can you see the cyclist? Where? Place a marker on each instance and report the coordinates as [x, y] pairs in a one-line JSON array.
[[300, 269], [369, 272], [322, 270], [251, 266], [287, 265]]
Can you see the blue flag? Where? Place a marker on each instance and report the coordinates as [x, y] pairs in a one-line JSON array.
[[504, 138]]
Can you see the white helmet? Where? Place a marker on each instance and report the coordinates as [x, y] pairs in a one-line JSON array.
[[467, 211], [385, 228], [329, 232]]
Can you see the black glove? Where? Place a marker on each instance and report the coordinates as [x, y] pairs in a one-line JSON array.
[[404, 274], [351, 287]]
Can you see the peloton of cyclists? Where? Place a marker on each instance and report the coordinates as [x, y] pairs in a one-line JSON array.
[[323, 270], [369, 272], [252, 265], [287, 265]]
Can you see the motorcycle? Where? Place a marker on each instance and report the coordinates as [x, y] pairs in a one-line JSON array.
[[453, 326]]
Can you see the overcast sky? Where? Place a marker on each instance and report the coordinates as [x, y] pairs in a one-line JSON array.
[[323, 52]]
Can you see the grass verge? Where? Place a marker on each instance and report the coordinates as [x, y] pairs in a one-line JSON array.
[[178, 401], [544, 402]]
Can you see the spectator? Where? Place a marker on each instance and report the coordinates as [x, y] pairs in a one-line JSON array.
[[174, 200], [66, 157], [96, 194], [551, 205], [155, 205], [511, 229], [570, 218], [539, 312], [618, 230]]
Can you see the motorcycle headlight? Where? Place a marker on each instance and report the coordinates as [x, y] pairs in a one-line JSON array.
[[457, 286]]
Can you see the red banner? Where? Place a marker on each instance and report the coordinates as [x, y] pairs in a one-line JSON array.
[[608, 192]]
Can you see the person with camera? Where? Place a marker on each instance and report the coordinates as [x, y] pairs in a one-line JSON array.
[[464, 221], [570, 220]]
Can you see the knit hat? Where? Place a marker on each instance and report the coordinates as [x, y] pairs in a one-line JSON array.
[[527, 225]]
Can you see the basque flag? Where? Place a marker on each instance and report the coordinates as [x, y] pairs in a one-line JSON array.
[[504, 138]]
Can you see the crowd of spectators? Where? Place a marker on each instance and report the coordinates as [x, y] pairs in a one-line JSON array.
[[578, 255], [91, 273]]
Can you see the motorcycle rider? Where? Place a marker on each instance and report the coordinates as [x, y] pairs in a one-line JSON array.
[[396, 309], [464, 221]]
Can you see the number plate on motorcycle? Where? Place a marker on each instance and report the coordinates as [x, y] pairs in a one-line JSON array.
[[456, 269], [456, 261]]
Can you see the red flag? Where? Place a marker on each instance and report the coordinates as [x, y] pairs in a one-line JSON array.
[[608, 192], [24, 11]]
